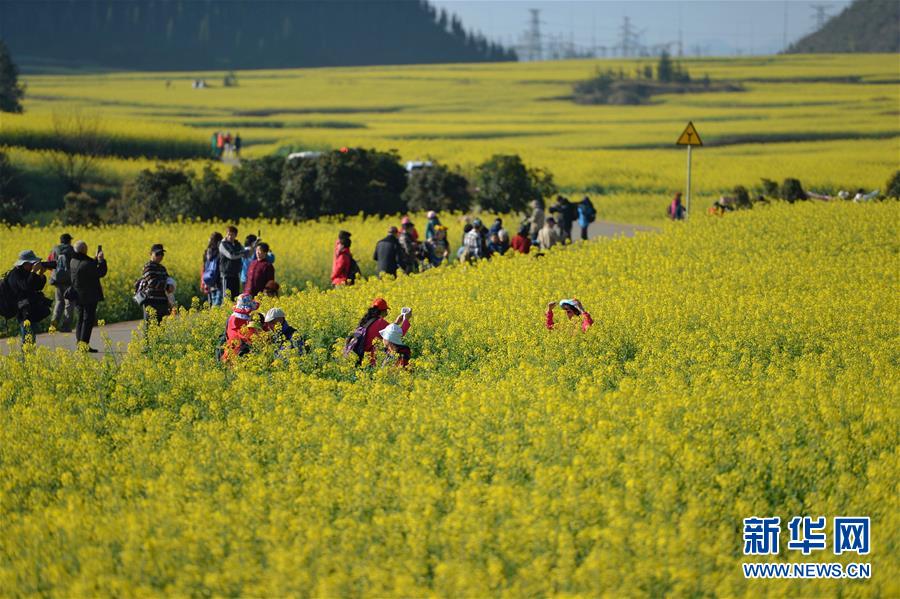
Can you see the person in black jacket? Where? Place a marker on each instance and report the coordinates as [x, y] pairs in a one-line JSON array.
[[388, 253], [231, 262], [154, 285], [26, 281], [86, 273], [568, 212]]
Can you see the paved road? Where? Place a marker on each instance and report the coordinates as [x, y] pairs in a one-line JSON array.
[[119, 337], [120, 333]]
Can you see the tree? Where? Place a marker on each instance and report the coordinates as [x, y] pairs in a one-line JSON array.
[[11, 91], [299, 197], [81, 141], [664, 68], [258, 182], [12, 194], [80, 209], [437, 188], [505, 184], [151, 195]]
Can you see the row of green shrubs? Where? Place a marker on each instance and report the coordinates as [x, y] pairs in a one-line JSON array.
[[347, 181], [791, 190]]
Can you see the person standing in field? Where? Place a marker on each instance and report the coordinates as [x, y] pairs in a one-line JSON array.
[[86, 275], [549, 235], [536, 220], [153, 284], [438, 247], [521, 242], [220, 144], [410, 248], [342, 267], [433, 221], [210, 274], [567, 213], [61, 279], [237, 145], [260, 272], [586, 215], [676, 210], [214, 144], [231, 261], [573, 308], [388, 253]]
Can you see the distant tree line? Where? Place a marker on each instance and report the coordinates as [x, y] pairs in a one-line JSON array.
[[239, 34], [346, 181]]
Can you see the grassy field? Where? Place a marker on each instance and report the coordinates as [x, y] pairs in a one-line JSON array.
[[831, 121], [739, 366]]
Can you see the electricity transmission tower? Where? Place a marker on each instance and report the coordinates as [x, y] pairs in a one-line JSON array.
[[820, 14], [532, 42], [629, 38]]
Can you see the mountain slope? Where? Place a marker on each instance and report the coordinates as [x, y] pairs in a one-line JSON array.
[[864, 26]]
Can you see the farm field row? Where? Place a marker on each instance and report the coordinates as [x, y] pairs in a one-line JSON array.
[[739, 366]]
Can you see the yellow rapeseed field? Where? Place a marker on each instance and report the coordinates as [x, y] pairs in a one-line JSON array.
[[738, 366]]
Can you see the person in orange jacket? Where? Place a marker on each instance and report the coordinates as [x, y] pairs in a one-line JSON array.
[[572, 308]]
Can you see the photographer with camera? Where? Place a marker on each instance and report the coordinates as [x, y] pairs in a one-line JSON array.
[[22, 290], [86, 291]]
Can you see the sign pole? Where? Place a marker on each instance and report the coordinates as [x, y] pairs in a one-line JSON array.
[[687, 212]]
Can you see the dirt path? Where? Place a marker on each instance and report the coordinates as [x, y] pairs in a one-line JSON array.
[[119, 334]]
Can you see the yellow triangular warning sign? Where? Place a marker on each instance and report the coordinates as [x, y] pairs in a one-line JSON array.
[[690, 137]]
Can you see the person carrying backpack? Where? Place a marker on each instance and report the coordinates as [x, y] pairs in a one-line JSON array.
[[361, 341], [586, 215], [211, 275], [61, 279], [21, 293]]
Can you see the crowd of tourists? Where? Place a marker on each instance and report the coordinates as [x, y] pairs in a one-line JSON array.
[[224, 145], [241, 272]]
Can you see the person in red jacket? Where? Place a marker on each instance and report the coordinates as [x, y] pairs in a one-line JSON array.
[[260, 272], [521, 242], [374, 322], [343, 261], [241, 328], [572, 308]]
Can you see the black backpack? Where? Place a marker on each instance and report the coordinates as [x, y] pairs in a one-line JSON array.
[[9, 301], [356, 342], [354, 271]]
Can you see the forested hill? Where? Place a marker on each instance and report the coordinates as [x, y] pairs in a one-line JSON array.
[[864, 26], [237, 34]]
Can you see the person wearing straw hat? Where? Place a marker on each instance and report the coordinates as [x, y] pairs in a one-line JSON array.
[[398, 353], [572, 308], [241, 327], [26, 281]]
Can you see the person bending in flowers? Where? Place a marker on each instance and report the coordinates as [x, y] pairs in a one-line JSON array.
[[572, 308]]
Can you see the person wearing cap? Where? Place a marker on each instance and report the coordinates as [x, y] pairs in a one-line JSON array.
[[412, 228], [284, 336], [342, 265], [26, 281], [154, 285], [388, 253], [396, 351], [241, 328], [374, 322], [549, 235], [572, 308], [433, 221], [86, 275], [260, 272], [61, 279]]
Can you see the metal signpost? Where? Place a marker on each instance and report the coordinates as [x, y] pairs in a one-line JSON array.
[[689, 138]]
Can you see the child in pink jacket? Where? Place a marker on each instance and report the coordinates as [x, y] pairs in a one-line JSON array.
[[572, 308]]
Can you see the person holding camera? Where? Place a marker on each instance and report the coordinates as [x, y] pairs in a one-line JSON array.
[[25, 283], [86, 290], [61, 279]]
